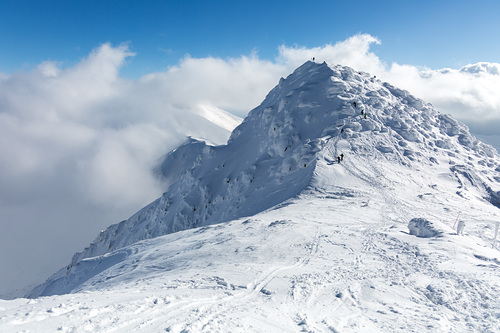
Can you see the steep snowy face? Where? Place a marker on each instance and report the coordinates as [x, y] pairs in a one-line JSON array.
[[292, 141], [268, 159]]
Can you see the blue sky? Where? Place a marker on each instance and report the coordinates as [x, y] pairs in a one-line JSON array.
[[435, 34]]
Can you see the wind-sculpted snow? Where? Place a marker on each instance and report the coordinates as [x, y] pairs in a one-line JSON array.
[[291, 143], [423, 228]]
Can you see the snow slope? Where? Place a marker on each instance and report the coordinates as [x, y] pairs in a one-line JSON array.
[[336, 261], [307, 243]]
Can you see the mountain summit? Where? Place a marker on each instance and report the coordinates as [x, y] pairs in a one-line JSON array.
[[342, 141]]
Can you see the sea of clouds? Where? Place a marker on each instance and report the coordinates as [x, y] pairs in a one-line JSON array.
[[78, 144]]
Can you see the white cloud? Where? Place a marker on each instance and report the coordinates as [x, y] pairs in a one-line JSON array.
[[470, 97], [49, 69], [353, 52], [235, 84], [77, 144]]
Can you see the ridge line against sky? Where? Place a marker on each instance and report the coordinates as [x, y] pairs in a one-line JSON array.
[[93, 93]]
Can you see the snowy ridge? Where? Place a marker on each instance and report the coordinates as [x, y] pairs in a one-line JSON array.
[[288, 146]]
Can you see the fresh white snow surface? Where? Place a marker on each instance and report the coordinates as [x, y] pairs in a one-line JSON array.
[[269, 233]]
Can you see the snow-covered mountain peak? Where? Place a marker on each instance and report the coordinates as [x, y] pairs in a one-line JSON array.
[[322, 102], [292, 142]]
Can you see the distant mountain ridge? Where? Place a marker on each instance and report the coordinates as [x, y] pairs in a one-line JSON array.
[[289, 142]]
